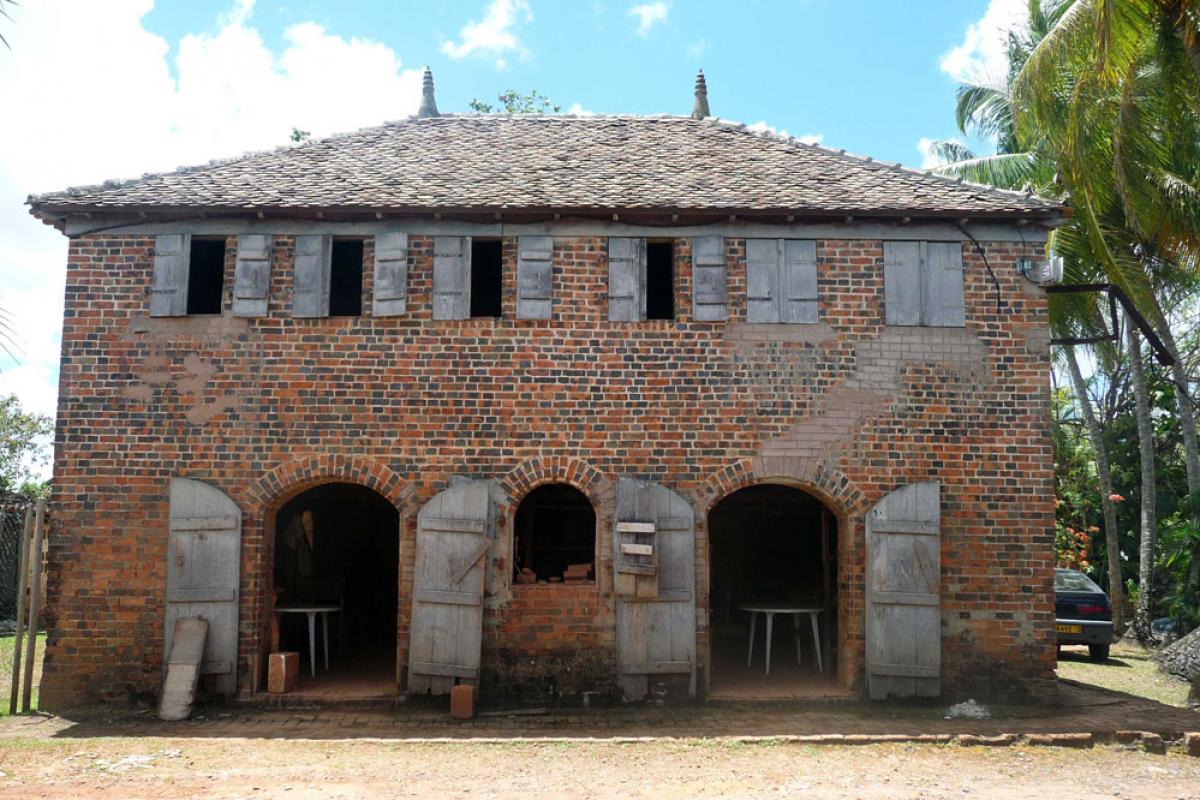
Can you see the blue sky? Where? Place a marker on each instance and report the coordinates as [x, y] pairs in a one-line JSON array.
[[864, 74], [116, 88]]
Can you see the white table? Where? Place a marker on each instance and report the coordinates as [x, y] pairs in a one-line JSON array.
[[769, 610], [312, 611]]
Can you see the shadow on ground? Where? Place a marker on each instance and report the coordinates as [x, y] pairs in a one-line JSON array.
[[1079, 708]]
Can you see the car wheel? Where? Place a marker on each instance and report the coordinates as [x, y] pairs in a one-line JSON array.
[[1098, 652]]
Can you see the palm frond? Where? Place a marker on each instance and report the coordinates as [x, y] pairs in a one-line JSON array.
[[1004, 170]]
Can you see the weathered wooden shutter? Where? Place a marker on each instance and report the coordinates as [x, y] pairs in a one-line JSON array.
[[455, 531], [252, 277], [204, 556], [626, 279], [798, 281], [708, 279], [451, 277], [310, 290], [391, 275], [764, 259], [656, 635], [904, 641], [168, 293], [942, 284], [534, 276], [902, 283]]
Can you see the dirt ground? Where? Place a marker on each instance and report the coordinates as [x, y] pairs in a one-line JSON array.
[[662, 770]]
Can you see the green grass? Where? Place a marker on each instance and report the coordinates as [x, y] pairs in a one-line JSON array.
[[1129, 669], [6, 660]]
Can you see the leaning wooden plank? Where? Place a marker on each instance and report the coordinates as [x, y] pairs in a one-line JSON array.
[[35, 601], [22, 585], [183, 668]]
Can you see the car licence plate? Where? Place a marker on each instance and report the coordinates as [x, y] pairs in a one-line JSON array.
[[1068, 629]]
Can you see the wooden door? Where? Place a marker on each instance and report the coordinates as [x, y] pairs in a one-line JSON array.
[[455, 531], [904, 633], [204, 551], [656, 635]]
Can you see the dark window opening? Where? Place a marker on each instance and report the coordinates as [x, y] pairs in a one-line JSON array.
[[345, 278], [486, 270], [660, 280], [206, 276], [555, 536]]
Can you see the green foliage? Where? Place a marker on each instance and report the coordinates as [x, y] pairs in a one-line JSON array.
[[298, 135], [513, 102], [1179, 542], [24, 446]]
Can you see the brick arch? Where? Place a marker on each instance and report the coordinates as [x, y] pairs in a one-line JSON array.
[[535, 472], [291, 478], [829, 485]]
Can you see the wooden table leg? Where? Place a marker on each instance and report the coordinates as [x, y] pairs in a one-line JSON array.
[[325, 636], [750, 649], [312, 642], [816, 640], [770, 625]]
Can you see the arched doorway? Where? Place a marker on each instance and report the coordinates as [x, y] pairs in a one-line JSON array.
[[337, 546], [772, 548]]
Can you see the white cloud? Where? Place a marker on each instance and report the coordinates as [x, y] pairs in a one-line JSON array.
[[982, 56], [494, 35], [649, 15], [697, 49], [930, 159], [809, 138], [578, 110], [126, 115]]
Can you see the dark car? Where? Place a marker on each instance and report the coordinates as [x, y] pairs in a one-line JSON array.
[[1083, 614]]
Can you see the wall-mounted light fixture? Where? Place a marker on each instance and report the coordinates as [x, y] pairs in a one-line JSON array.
[[1047, 271]]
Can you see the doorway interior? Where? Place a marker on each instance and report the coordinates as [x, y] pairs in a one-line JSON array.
[[772, 546], [337, 545]]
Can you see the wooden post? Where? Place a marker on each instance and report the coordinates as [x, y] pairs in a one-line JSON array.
[[35, 600], [22, 583]]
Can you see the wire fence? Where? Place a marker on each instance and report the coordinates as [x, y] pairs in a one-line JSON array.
[[12, 525]]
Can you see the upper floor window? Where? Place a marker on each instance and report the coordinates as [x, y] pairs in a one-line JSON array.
[[189, 275], [660, 280], [923, 284], [487, 272], [206, 276], [781, 280], [346, 278]]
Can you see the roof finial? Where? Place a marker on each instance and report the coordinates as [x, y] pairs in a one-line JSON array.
[[428, 104], [700, 109]]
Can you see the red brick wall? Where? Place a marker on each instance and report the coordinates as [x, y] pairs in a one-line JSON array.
[[847, 409]]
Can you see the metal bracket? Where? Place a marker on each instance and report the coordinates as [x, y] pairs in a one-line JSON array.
[[1115, 295]]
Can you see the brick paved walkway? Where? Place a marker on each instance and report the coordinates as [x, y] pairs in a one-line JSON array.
[[1080, 709]]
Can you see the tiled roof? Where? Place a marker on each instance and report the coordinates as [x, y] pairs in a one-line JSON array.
[[563, 163]]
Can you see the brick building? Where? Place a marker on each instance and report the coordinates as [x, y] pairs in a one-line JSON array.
[[541, 403]]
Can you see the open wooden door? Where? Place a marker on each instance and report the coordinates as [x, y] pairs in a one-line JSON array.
[[455, 531], [204, 556], [656, 610], [904, 630]]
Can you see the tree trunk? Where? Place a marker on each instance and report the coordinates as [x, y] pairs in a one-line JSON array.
[[1103, 473], [1149, 516], [1191, 447]]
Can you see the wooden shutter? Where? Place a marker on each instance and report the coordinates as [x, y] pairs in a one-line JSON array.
[[204, 556], [942, 284], [626, 279], [902, 283], [388, 295], [798, 281], [764, 260], [534, 276], [455, 531], [252, 277], [310, 291], [168, 293], [656, 635], [451, 277], [708, 279], [904, 642]]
